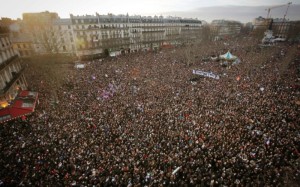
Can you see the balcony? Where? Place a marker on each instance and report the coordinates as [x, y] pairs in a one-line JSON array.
[[8, 61], [93, 27], [16, 76], [153, 31]]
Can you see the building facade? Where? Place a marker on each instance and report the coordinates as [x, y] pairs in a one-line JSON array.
[[65, 41], [47, 32], [294, 31], [12, 79], [21, 41], [225, 28], [99, 35], [280, 27], [261, 23], [41, 33], [114, 34]]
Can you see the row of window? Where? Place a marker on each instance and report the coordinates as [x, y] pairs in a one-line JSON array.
[[4, 42], [138, 25], [5, 55], [60, 27], [8, 74], [119, 36], [134, 31], [103, 44], [25, 53], [132, 20], [24, 46], [63, 39], [119, 42], [118, 33]]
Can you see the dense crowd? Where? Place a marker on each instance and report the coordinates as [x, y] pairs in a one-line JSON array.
[[144, 119]]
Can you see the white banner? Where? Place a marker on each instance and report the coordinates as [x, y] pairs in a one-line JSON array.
[[79, 66], [206, 74]]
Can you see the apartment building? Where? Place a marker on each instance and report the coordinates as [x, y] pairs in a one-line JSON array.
[[279, 26], [98, 35], [63, 36], [41, 33], [40, 29], [12, 79], [225, 28], [261, 23], [21, 41], [114, 34]]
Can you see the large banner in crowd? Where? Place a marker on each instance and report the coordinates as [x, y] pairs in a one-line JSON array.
[[206, 74]]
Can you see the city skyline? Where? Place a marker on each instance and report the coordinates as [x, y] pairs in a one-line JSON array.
[[240, 10]]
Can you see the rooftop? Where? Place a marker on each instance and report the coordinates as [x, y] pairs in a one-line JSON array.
[[111, 18]]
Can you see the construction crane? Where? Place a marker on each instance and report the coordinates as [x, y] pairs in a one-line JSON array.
[[283, 21], [286, 10], [270, 8], [269, 38]]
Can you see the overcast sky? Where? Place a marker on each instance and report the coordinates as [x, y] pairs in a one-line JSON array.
[[187, 8]]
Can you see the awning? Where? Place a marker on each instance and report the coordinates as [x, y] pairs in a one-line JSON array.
[[23, 105]]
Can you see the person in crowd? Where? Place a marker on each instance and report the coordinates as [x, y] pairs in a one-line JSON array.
[[137, 120]]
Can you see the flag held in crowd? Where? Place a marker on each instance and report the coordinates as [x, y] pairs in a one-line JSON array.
[[109, 92]]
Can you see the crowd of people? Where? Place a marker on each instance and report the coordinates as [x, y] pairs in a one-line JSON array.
[[144, 119]]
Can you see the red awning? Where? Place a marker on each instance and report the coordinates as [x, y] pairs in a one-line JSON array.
[[26, 93], [24, 104]]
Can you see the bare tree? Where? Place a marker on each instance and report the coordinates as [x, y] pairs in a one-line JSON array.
[[205, 34], [258, 33], [50, 38], [46, 36]]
